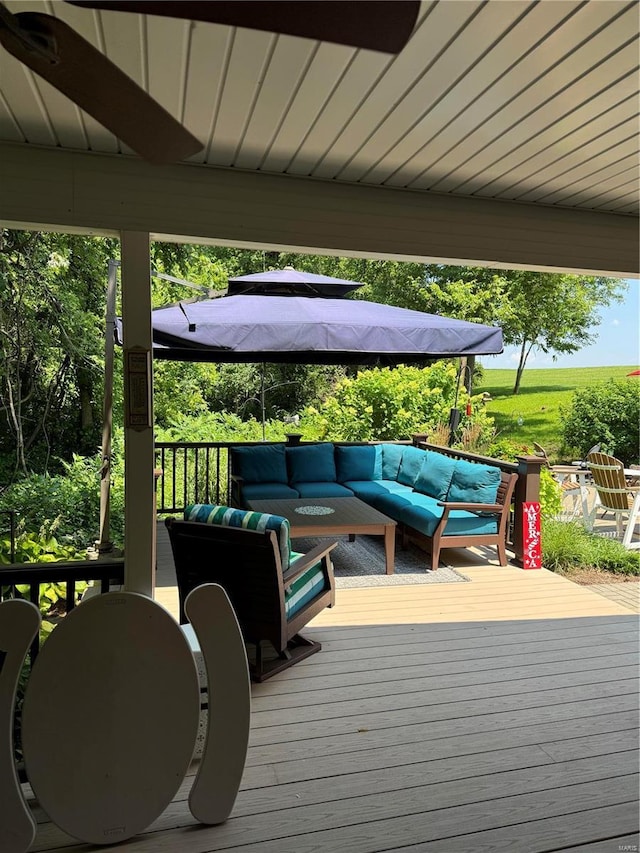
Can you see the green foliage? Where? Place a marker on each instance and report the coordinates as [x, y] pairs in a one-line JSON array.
[[52, 290], [41, 547], [69, 503], [607, 414], [385, 403], [567, 546], [550, 495]]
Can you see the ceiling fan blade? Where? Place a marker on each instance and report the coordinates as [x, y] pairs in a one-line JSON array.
[[87, 77], [378, 25]]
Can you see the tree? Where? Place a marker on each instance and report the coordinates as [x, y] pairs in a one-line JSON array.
[[51, 341], [552, 312]]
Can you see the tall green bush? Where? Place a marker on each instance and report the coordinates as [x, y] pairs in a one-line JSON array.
[[385, 403], [607, 414]]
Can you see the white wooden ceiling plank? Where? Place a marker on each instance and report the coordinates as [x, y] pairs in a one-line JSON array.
[[9, 128], [605, 173], [66, 117], [167, 46], [558, 109], [538, 21], [437, 28], [444, 80], [488, 115], [208, 58], [123, 38], [574, 79], [517, 165], [24, 101], [352, 90], [316, 87], [622, 196], [627, 207], [610, 192], [249, 54], [283, 76], [607, 148]]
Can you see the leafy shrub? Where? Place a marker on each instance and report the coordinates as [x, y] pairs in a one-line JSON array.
[[607, 414], [550, 495], [385, 403], [69, 503], [567, 545]]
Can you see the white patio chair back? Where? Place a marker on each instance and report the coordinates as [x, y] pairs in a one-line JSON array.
[[615, 494]]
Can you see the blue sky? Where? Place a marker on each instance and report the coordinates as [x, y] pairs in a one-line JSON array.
[[618, 340]]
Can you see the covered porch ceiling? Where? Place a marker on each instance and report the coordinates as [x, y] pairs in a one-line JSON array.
[[505, 133]]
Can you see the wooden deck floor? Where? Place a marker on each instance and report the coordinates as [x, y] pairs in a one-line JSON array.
[[496, 715]]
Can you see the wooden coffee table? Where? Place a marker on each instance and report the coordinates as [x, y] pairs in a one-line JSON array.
[[333, 517]]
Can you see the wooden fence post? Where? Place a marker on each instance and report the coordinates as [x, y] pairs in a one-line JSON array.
[[527, 489]]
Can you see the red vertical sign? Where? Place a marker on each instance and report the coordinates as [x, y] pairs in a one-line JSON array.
[[531, 544]]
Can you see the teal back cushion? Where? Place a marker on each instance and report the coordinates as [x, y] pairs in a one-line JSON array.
[[263, 463], [311, 463], [391, 458], [474, 483], [358, 463], [227, 516], [435, 474], [412, 460]]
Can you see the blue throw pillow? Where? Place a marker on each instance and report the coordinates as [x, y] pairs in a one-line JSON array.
[[412, 460], [391, 458], [358, 463], [311, 463], [474, 483], [263, 463], [434, 476]]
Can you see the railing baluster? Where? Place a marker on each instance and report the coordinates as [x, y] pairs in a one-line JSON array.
[[208, 476], [196, 475]]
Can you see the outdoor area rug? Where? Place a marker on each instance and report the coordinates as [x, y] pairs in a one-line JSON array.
[[361, 563]]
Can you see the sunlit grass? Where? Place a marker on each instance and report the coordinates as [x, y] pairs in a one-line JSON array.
[[534, 413]]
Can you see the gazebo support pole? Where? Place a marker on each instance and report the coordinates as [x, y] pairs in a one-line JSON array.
[[140, 521]]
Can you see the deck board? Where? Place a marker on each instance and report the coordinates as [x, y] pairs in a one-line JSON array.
[[495, 715]]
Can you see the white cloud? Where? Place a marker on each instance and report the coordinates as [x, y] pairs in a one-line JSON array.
[[615, 322]]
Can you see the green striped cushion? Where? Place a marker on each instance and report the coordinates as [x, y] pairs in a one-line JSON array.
[[227, 516], [303, 589]]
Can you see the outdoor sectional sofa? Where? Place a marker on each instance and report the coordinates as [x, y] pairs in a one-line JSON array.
[[435, 499]]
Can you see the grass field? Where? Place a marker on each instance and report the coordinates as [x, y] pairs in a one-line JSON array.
[[534, 413]]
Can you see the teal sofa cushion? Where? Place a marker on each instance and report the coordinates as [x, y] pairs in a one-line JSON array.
[[323, 490], [423, 514], [262, 463], [474, 483], [227, 516], [393, 503], [434, 476], [370, 490], [268, 491], [311, 463], [358, 462], [391, 458], [412, 459]]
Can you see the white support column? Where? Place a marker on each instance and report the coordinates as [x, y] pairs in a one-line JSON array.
[[140, 521]]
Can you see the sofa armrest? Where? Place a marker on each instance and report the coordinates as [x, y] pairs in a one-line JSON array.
[[300, 565], [472, 507], [237, 483]]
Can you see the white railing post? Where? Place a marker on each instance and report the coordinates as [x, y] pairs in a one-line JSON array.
[[140, 522]]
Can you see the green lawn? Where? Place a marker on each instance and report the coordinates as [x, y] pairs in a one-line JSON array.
[[537, 405]]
